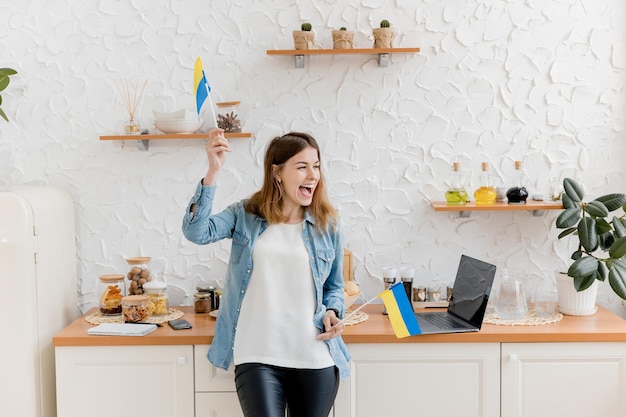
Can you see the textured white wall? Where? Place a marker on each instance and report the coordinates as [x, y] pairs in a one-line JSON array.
[[537, 80]]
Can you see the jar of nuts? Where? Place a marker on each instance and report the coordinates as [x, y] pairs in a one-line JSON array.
[[135, 308], [158, 302], [138, 275], [112, 289], [228, 117]]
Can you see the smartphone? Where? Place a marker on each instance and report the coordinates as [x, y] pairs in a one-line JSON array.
[[179, 324]]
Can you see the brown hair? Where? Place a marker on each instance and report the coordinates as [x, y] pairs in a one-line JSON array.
[[268, 202]]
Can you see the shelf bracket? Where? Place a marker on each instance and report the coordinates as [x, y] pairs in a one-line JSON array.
[[299, 61], [538, 213], [383, 60], [143, 144], [464, 214]]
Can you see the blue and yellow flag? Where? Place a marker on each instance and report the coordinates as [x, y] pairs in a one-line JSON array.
[[200, 84], [400, 312]]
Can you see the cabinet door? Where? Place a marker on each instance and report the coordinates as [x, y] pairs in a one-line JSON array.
[[209, 378], [563, 379], [218, 404], [421, 379], [125, 381]]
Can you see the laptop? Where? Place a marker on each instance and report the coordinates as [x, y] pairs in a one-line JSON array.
[[122, 329], [468, 303]]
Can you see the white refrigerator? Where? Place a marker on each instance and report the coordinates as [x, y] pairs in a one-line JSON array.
[[38, 294]]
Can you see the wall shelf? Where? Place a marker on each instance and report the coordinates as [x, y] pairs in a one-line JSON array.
[[537, 207], [383, 53], [144, 139]]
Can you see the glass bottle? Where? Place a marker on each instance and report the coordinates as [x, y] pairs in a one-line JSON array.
[[486, 193], [138, 275], [456, 195], [389, 278], [112, 290], [158, 300], [518, 193]]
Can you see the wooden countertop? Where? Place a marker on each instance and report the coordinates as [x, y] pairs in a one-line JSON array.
[[604, 326]]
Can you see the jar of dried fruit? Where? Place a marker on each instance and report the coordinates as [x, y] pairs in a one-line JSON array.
[[228, 117], [112, 290], [135, 308], [158, 302], [138, 275]]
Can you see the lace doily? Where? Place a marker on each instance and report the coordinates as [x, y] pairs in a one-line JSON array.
[[531, 319], [358, 317], [99, 318]]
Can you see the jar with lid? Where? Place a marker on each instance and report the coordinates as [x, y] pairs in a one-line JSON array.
[[202, 302], [228, 117], [158, 301], [112, 290], [135, 308], [138, 275]]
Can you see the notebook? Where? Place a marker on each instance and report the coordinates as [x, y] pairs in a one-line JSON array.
[[122, 329], [470, 294]]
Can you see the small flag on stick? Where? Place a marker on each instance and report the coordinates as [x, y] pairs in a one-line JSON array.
[[202, 88], [399, 311], [401, 315]]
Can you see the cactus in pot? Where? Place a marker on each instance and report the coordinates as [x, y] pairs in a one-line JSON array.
[[305, 37], [384, 35], [342, 38]]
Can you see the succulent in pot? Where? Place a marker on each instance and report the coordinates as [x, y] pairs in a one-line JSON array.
[[384, 35], [305, 37], [601, 250], [342, 38]]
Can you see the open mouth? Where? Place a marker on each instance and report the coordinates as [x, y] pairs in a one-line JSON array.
[[307, 190]]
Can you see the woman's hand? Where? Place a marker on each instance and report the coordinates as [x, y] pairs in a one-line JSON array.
[[332, 326], [216, 148]]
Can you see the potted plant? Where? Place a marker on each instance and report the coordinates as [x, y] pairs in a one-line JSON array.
[[5, 73], [304, 38], [384, 35], [342, 38], [601, 249]]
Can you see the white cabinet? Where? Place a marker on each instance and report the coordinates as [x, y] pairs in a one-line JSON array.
[[426, 379], [125, 381], [215, 391], [563, 379]]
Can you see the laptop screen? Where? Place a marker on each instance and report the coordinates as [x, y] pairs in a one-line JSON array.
[[471, 289]]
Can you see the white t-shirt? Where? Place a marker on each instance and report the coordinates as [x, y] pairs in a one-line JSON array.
[[275, 324]]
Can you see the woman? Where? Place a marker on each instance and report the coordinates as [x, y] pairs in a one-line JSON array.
[[279, 318]]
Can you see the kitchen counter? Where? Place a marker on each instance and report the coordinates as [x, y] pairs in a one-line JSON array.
[[604, 326]]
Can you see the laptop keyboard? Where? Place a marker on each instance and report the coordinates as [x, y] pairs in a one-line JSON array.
[[442, 321]]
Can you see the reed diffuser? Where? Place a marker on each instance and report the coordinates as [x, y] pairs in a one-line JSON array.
[[131, 95]]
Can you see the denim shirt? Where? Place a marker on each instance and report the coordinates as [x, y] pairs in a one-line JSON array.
[[325, 254]]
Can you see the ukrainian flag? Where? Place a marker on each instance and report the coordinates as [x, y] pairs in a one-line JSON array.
[[200, 85], [400, 312]]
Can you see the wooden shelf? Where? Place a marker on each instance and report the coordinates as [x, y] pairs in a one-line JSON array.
[[143, 140], [383, 53], [537, 207]]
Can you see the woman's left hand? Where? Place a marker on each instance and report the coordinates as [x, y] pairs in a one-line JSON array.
[[333, 329]]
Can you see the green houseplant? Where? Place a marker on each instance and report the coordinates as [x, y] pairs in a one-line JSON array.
[[5, 74], [601, 250]]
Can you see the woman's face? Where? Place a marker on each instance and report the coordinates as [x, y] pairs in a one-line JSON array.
[[299, 177]]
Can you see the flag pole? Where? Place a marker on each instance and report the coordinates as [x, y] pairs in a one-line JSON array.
[[208, 93], [343, 320]]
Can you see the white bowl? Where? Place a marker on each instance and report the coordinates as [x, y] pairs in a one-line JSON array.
[[178, 126], [168, 115]]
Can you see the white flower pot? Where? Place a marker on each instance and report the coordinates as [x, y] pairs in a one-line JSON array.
[[572, 302]]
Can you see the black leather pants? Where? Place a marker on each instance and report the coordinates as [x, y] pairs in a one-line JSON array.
[[266, 390]]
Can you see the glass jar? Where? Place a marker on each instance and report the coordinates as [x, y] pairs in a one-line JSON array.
[[112, 290], [202, 302], [158, 303], [228, 117], [138, 275], [135, 308]]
